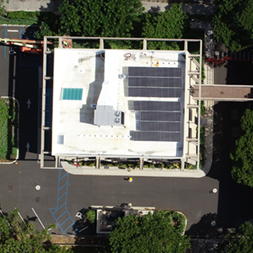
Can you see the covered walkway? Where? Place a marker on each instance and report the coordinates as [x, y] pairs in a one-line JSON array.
[[224, 92]]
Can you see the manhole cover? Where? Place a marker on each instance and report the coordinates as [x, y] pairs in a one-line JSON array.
[[37, 187], [10, 188], [37, 199]]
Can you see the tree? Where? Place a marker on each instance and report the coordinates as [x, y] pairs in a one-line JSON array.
[[240, 240], [17, 236], [107, 18], [168, 24], [149, 233], [233, 23], [2, 10], [49, 25], [242, 157]]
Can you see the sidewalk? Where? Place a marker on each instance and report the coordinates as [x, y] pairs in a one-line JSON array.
[[52, 5], [32, 5]]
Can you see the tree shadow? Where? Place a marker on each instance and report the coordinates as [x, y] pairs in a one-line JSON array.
[[206, 227], [52, 6], [154, 9], [234, 206]]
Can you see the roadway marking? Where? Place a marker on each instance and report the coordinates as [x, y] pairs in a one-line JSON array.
[[61, 194], [29, 103], [27, 147]]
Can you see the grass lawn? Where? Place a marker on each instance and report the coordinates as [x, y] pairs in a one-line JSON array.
[[8, 129]]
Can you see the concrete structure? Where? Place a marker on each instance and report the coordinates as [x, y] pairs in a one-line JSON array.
[[102, 96], [107, 215], [224, 92]]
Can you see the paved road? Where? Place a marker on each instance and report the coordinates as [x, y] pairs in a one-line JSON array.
[[192, 196]]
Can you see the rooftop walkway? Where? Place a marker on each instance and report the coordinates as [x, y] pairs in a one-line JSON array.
[[224, 92]]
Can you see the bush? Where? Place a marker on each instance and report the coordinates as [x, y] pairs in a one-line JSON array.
[[22, 15], [203, 108], [91, 216], [202, 147]]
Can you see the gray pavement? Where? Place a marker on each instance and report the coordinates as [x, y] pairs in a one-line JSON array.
[[191, 7], [7, 32], [17, 182], [17, 189], [32, 5]]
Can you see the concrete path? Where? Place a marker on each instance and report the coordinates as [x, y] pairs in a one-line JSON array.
[[32, 5], [224, 92], [52, 5]]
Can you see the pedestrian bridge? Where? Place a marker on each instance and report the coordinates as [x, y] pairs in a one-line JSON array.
[[223, 92]]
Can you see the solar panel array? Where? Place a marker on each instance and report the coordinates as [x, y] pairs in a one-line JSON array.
[[154, 71], [154, 82], [156, 121]]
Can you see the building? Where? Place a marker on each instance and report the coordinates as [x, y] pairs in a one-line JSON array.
[[111, 105]]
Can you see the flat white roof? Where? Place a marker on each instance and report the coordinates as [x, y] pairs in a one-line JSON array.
[[80, 74]]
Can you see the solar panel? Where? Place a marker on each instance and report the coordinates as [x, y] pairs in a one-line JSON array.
[[158, 126], [154, 92], [154, 82], [158, 116], [155, 120], [154, 71], [154, 136], [156, 106]]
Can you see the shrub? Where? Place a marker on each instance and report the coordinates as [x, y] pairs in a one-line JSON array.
[[202, 147], [91, 216]]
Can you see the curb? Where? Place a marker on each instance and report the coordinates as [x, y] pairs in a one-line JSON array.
[[17, 131]]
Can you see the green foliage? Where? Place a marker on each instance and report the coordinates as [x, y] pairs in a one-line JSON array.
[[149, 233], [91, 216], [49, 25], [44, 30], [168, 24], [240, 240], [202, 108], [8, 129], [162, 165], [202, 147], [242, 157], [2, 10], [4, 118], [233, 23], [190, 166], [108, 18], [17, 236], [121, 164], [19, 17], [22, 14]]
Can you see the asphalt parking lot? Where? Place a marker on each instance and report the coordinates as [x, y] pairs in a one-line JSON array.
[[17, 182]]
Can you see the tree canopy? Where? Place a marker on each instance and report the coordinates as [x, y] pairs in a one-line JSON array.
[[149, 233], [242, 157], [2, 9], [240, 240], [168, 24], [233, 23], [17, 236], [108, 18]]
